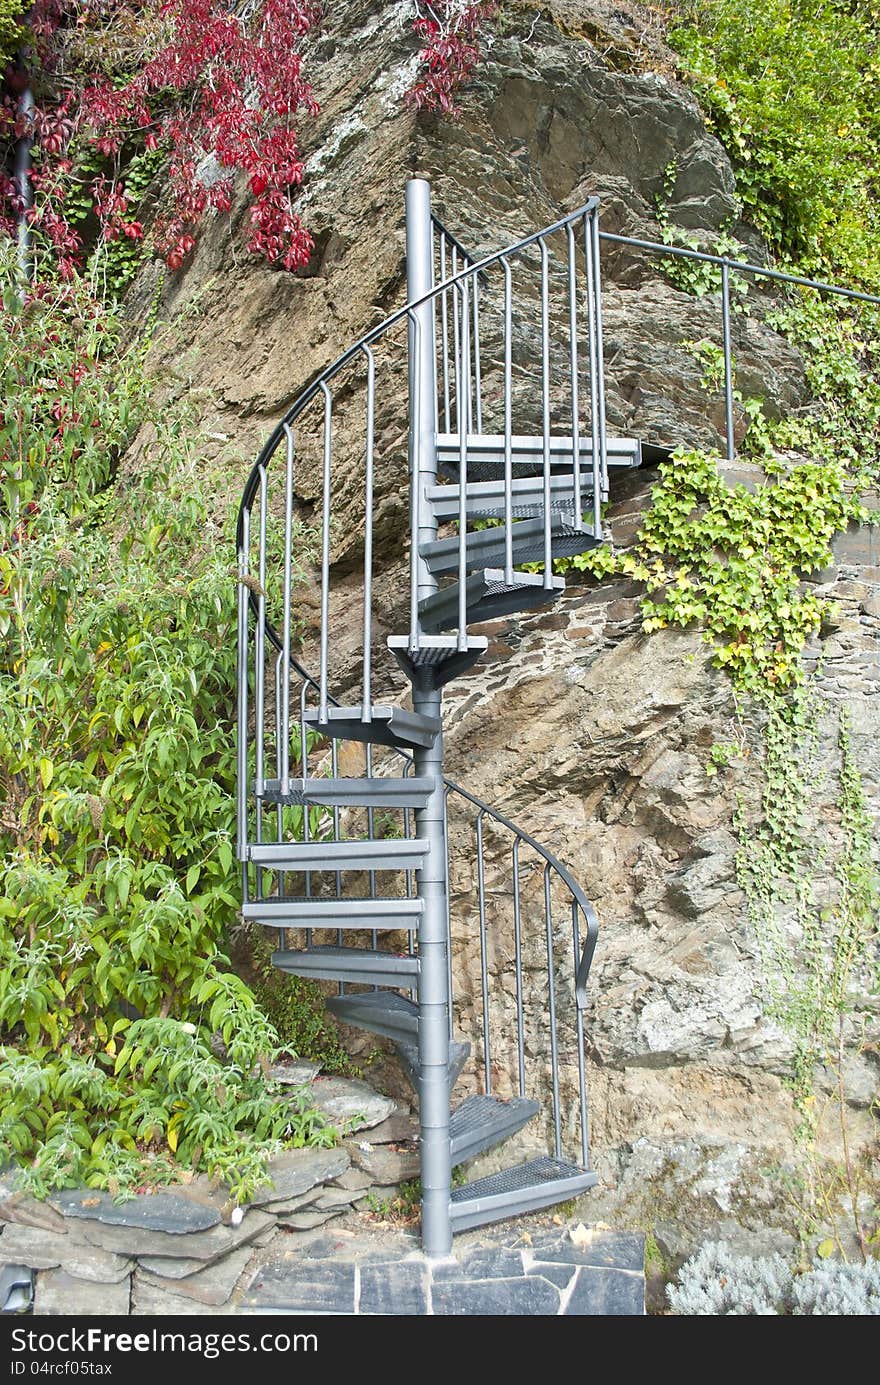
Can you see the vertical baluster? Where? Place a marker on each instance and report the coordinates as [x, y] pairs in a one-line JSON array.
[[323, 710], [600, 365], [484, 960], [260, 644], [414, 329], [599, 493], [573, 372], [444, 320], [728, 359], [462, 396], [449, 991], [284, 729], [478, 381], [306, 822], [517, 946], [551, 998], [242, 697], [367, 705], [545, 412], [456, 341], [579, 1024], [508, 426], [368, 756]]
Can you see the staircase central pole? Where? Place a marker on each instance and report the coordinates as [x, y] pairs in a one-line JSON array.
[[434, 999]]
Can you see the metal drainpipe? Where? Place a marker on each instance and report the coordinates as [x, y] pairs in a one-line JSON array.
[[436, 1168], [24, 185]]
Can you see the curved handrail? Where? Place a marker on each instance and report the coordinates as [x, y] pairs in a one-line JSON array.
[[306, 395]]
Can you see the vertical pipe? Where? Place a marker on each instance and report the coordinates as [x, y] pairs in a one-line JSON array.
[[463, 410], [284, 728], [436, 1170], [599, 493], [450, 991], [545, 413], [573, 373], [508, 426], [24, 185], [444, 329], [260, 645], [517, 945], [551, 1005], [456, 342], [728, 359], [484, 960], [242, 692], [367, 703], [600, 366], [323, 709], [579, 1024], [478, 380]]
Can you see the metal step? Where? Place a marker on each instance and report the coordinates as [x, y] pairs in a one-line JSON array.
[[369, 792], [485, 455], [334, 913], [483, 1121], [406, 853], [488, 595], [409, 1056], [387, 726], [526, 1188], [367, 968], [486, 547], [485, 499], [436, 657], [387, 1013]]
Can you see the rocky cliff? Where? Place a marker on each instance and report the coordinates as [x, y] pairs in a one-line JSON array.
[[592, 735]]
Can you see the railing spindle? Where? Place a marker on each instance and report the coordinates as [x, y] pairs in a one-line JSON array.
[[728, 359], [367, 703], [551, 1003], [517, 949], [284, 729], [545, 412], [573, 372], [508, 425], [323, 710], [484, 960]]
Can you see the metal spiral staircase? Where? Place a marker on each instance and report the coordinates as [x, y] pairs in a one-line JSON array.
[[345, 818]]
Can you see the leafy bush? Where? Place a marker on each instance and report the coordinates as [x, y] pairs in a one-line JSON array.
[[715, 1282], [791, 87], [116, 778]]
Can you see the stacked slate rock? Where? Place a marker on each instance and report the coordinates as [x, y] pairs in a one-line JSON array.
[[183, 1249]]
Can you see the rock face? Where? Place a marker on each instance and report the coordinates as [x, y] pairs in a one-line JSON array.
[[592, 736]]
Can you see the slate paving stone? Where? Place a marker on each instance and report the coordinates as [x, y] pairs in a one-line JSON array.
[[148, 1300], [294, 1204], [206, 1246], [383, 1163], [297, 1170], [33, 1246], [398, 1288], [353, 1179], [334, 1197], [603, 1292], [172, 1213], [27, 1211], [619, 1250], [294, 1072], [350, 1103], [532, 1297], [100, 1266], [211, 1285], [325, 1286], [560, 1275], [307, 1220], [481, 1264], [60, 1295]]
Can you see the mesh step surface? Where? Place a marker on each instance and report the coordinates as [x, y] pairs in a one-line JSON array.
[[485, 454], [526, 1188], [392, 726], [486, 547], [483, 1121], [349, 964], [301, 912], [485, 499], [369, 792], [387, 1013], [488, 596], [394, 854]]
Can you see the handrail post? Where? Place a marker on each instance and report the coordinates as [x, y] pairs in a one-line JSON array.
[[728, 361], [436, 1170]]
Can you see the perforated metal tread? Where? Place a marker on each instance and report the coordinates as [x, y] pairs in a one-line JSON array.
[[486, 547], [485, 499], [375, 792], [525, 1188], [397, 853], [483, 1121], [488, 596], [387, 1013], [485, 454], [409, 1056], [387, 726], [349, 964], [301, 912]]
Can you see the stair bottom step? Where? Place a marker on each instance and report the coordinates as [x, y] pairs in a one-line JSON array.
[[526, 1188], [483, 1121], [384, 1012]]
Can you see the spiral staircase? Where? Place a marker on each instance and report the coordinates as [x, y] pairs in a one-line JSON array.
[[344, 813]]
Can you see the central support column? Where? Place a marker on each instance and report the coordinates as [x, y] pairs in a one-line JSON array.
[[434, 999]]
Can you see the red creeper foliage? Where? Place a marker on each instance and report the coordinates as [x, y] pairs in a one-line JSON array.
[[451, 31]]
